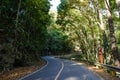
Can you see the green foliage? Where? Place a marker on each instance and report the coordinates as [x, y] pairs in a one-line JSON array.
[[119, 48], [113, 5], [58, 42], [27, 30], [77, 19], [23, 26], [118, 36]]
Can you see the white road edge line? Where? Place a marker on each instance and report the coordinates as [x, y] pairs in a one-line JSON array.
[[59, 71], [35, 71]]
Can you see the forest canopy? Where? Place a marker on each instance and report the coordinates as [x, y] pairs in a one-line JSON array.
[[29, 30]]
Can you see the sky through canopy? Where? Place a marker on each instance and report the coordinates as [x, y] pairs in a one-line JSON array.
[[54, 3]]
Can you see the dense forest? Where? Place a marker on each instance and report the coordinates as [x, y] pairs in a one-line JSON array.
[[29, 30], [93, 27], [26, 34]]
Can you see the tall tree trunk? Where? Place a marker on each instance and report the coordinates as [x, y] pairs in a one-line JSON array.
[[102, 27], [112, 34], [103, 33]]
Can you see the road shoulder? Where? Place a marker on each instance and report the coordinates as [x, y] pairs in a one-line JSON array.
[[98, 71], [22, 71]]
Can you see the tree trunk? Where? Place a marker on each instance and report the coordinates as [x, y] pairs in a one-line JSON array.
[[103, 33], [112, 34]]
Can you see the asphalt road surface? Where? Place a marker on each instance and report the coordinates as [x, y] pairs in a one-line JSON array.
[[59, 69]]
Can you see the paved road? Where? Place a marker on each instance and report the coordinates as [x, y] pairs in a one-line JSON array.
[[58, 69]]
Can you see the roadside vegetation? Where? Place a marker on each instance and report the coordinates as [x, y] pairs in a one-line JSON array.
[[29, 30]]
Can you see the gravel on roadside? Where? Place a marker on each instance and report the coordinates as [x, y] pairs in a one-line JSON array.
[[20, 72]]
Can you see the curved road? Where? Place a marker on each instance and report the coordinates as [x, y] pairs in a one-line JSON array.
[[59, 69]]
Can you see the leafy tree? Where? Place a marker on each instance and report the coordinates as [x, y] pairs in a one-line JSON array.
[[57, 40], [78, 24], [24, 30], [86, 24], [112, 34]]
